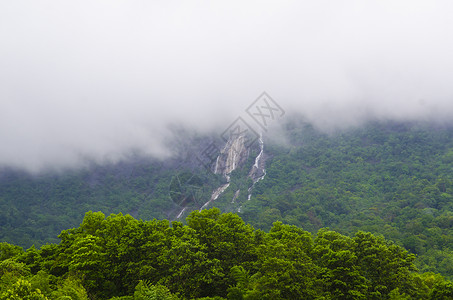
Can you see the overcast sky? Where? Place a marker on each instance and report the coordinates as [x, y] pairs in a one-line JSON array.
[[94, 79]]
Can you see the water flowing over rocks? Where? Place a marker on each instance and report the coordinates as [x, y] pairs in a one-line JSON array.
[[234, 155]]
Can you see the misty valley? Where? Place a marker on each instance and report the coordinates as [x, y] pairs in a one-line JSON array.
[[226, 150], [364, 212]]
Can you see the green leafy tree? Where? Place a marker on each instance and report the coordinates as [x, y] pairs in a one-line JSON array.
[[340, 271], [11, 271], [145, 291], [9, 251], [385, 265], [22, 290]]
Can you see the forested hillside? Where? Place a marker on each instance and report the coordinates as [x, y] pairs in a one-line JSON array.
[[393, 179], [214, 256], [34, 209], [390, 179]]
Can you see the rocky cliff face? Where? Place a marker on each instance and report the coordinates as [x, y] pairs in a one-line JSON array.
[[234, 154]]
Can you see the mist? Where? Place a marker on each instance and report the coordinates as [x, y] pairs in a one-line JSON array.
[[95, 80]]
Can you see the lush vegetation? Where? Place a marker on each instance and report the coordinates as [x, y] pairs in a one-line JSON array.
[[34, 209], [390, 179], [214, 256]]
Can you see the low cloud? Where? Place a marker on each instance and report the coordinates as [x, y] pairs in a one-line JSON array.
[[94, 80]]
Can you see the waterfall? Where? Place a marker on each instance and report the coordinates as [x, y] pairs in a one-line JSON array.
[[181, 212], [233, 155], [216, 165], [258, 167], [236, 195], [258, 157], [217, 192]]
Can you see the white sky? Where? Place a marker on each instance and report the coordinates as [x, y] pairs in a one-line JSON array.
[[94, 79]]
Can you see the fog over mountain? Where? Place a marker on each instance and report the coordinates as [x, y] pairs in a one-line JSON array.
[[96, 79]]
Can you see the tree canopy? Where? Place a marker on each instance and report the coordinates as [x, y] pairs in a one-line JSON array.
[[214, 256]]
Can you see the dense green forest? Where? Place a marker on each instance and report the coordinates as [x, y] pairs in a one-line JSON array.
[[214, 256], [393, 179], [35, 208], [387, 178]]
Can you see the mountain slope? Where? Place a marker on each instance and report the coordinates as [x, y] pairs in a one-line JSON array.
[[388, 178], [393, 179]]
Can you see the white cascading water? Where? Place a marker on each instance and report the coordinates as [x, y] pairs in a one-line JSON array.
[[257, 165], [258, 157], [216, 165], [181, 212], [235, 195], [233, 150], [232, 153], [229, 159], [216, 194]]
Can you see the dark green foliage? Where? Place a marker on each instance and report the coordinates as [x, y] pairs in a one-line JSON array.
[[34, 209], [144, 291], [215, 256], [8, 251], [394, 180], [390, 179]]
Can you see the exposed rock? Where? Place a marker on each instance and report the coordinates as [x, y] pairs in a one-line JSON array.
[[234, 154]]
